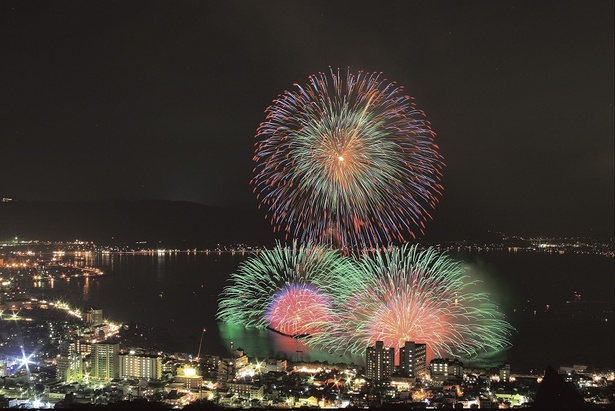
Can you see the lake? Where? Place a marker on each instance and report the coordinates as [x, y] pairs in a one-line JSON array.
[[179, 292]]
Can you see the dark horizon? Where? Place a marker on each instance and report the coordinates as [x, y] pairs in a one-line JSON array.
[[184, 223]]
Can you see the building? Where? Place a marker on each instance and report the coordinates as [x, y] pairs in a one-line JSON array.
[[455, 368], [275, 365], [438, 369], [245, 390], [189, 375], [104, 361], [226, 372], [144, 366], [504, 372], [442, 369], [227, 367], [81, 347], [70, 368], [209, 364], [94, 316], [379, 361], [100, 331], [413, 360]]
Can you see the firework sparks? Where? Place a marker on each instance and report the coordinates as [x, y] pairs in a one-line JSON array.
[[286, 288], [347, 160], [404, 294], [296, 310]]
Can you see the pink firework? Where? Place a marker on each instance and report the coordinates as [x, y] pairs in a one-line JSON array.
[[298, 310], [405, 294], [404, 315]]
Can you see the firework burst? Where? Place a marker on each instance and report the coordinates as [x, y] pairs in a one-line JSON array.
[[286, 289], [347, 160], [404, 294], [297, 309]]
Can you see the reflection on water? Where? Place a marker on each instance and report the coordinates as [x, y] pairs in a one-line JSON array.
[[277, 345], [281, 346], [161, 264], [86, 289]]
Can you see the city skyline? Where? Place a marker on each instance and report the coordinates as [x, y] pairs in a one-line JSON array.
[[153, 100], [149, 311]]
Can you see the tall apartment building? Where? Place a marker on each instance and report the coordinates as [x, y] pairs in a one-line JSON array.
[[504, 372], [70, 368], [379, 361], [140, 366], [80, 346], [413, 360], [210, 364], [104, 360], [69, 363], [226, 372]]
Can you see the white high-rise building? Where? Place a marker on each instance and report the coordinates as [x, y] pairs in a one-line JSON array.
[[140, 366], [70, 367], [379, 361], [104, 360]]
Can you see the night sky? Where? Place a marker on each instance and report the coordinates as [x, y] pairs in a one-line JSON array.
[[161, 100]]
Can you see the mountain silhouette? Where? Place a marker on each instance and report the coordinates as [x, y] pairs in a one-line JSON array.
[[176, 223]]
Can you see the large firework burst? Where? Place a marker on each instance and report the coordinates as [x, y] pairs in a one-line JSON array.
[[347, 160], [404, 294], [286, 289]]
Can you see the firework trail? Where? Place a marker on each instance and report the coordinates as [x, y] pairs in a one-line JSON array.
[[347, 160], [286, 289], [404, 294]]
